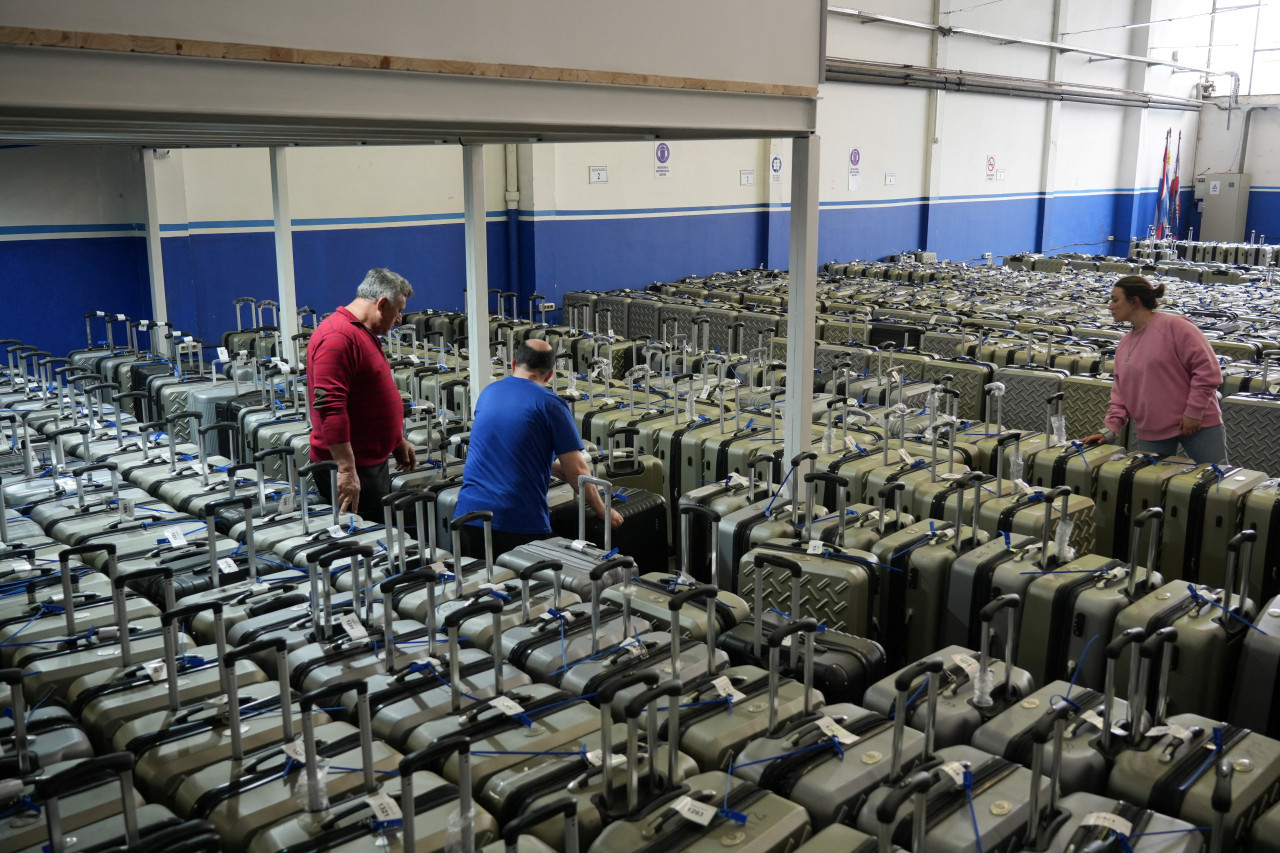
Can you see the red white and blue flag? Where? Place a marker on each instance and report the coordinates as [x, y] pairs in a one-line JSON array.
[[1162, 199], [1175, 197]]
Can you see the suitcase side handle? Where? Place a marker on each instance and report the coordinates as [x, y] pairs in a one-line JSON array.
[[554, 566], [605, 695], [599, 570], [168, 617], [346, 550], [488, 604], [567, 807], [248, 650], [887, 810]]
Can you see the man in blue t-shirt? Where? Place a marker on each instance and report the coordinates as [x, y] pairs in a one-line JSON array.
[[522, 436]]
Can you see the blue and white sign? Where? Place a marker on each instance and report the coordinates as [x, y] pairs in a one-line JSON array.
[[855, 172], [662, 160], [775, 169]]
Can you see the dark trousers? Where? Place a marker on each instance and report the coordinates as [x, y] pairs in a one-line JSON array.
[[375, 484], [473, 541]]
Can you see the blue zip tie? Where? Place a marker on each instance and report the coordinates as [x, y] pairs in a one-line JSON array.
[[1200, 598], [968, 794], [1076, 674]]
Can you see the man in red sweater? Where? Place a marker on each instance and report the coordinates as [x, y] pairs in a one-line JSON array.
[[357, 414]]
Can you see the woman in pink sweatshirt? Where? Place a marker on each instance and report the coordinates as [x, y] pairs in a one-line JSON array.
[[1167, 379]]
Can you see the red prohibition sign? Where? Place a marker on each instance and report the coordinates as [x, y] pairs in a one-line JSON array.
[[991, 164]]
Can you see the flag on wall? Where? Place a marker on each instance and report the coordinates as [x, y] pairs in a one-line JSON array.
[[1175, 197], [1162, 199]]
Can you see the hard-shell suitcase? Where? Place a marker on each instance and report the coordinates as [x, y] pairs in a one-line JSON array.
[[31, 740], [804, 760], [699, 813], [72, 798], [968, 800], [267, 786], [327, 820], [1128, 484], [973, 690], [914, 567], [843, 663], [1255, 701], [1250, 420], [596, 778], [1177, 766], [1075, 465], [1210, 624], [1026, 389], [1202, 508], [1261, 513], [643, 533], [1069, 615], [1086, 821]]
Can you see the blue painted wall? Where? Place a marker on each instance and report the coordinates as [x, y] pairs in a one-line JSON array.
[[49, 285], [1264, 213], [206, 270]]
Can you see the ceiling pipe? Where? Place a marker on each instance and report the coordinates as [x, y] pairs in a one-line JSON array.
[[851, 71], [871, 17]]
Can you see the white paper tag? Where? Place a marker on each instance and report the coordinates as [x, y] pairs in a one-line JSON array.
[[125, 505], [596, 758], [700, 813], [1023, 487], [905, 456], [223, 355], [815, 547], [831, 728], [384, 806], [21, 566], [228, 566], [1158, 731], [414, 359], [156, 669], [1093, 718], [259, 588], [295, 750], [176, 538], [426, 659], [1110, 821], [850, 444], [737, 481], [724, 687], [510, 707], [633, 646], [284, 505], [66, 484], [218, 703], [968, 664], [353, 626], [337, 532], [956, 771]]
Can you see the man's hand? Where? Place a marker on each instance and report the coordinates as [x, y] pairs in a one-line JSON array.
[[615, 519], [406, 456], [1190, 426], [348, 490]]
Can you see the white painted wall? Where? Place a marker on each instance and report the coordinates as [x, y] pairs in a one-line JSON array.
[[848, 118], [1219, 146], [70, 185], [721, 39]]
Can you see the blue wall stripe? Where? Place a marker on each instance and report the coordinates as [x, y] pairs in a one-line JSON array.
[[71, 229]]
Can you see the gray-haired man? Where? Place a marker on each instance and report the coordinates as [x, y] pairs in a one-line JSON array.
[[356, 410]]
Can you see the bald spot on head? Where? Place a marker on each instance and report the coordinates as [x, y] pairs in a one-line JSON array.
[[536, 357]]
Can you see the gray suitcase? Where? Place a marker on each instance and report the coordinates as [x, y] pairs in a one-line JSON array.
[[709, 807], [805, 760], [974, 690], [1087, 821], [1182, 765], [1255, 702]]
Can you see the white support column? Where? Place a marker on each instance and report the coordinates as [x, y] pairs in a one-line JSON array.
[[934, 121], [282, 212], [477, 251], [801, 296], [1132, 155], [155, 256], [1049, 152]]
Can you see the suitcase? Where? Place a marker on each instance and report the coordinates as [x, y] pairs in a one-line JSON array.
[[804, 760], [1127, 485], [967, 800], [1209, 635], [244, 797], [1183, 765], [642, 535], [1202, 507], [1257, 687], [914, 567], [1087, 821], [74, 799], [424, 802], [517, 796], [1261, 513], [705, 809], [974, 690], [31, 740], [1067, 612], [844, 664]]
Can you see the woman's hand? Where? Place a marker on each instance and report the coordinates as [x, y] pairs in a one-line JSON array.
[[1190, 426], [1096, 438]]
